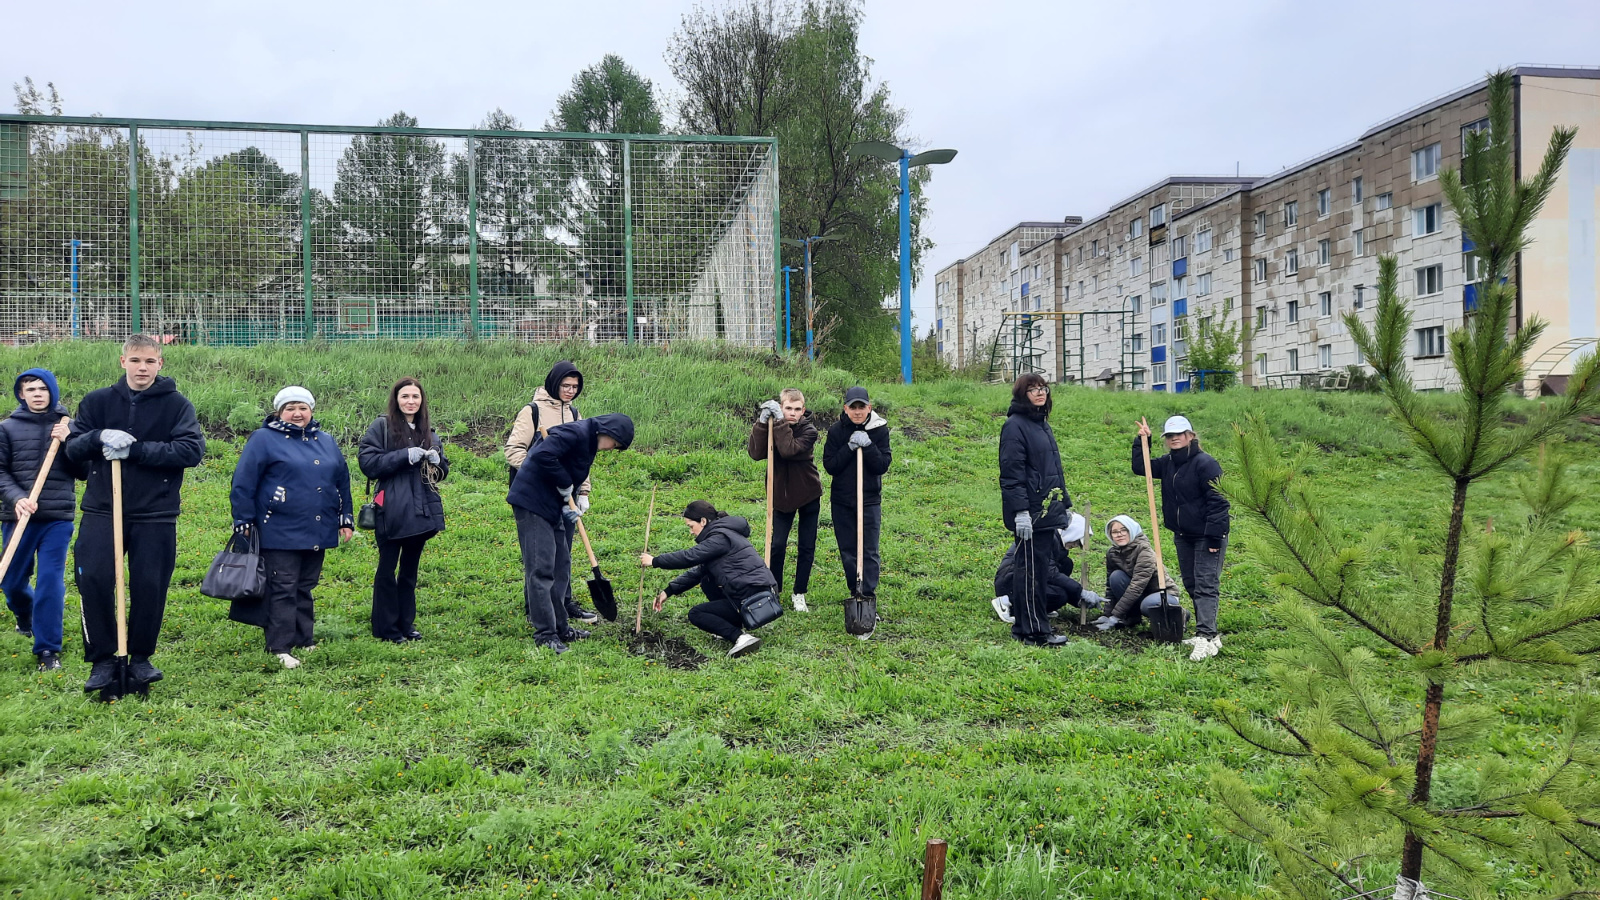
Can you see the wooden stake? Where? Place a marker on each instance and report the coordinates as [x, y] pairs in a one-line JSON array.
[[933, 870], [766, 556], [638, 617], [33, 495]]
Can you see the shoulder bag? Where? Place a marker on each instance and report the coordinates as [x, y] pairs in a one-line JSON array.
[[237, 574], [759, 609], [367, 517]]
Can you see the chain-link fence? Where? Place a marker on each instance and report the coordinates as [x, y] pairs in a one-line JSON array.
[[236, 233]]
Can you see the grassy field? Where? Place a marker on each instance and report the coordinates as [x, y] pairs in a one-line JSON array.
[[472, 765]]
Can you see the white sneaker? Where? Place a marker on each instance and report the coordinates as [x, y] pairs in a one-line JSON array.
[[747, 643], [307, 649], [799, 601], [1216, 645], [1002, 608], [288, 661], [1204, 648], [864, 637]]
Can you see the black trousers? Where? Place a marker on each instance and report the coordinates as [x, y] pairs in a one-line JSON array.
[[394, 593], [291, 575], [807, 551], [718, 615], [1031, 569], [844, 530], [546, 573], [152, 551]]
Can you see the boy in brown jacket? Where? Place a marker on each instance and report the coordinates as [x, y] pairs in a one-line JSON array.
[[796, 486]]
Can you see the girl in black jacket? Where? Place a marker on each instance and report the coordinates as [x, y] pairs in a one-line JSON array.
[[725, 566], [404, 455], [1033, 494]]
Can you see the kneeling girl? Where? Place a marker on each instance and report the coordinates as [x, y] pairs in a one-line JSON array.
[[726, 568]]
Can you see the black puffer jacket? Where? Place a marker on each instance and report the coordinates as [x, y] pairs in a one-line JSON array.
[[167, 438], [1030, 468], [1191, 505], [840, 460], [411, 505], [24, 440], [721, 557]]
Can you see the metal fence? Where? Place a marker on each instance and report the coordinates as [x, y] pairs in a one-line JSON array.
[[237, 233]]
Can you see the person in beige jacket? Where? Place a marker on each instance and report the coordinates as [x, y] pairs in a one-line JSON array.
[[552, 405]]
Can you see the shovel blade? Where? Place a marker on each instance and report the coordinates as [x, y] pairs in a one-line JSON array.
[[1166, 622], [605, 600], [119, 685], [860, 615]]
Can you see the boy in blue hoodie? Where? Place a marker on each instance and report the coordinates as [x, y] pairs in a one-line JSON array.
[[25, 438]]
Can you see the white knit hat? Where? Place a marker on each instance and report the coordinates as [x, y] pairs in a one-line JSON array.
[[294, 393]]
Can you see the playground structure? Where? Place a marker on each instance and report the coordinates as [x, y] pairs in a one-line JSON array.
[[1015, 350], [238, 233]]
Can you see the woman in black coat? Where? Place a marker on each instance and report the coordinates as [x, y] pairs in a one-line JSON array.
[[404, 455], [1034, 499], [725, 566]]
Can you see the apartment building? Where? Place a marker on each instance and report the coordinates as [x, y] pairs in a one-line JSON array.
[[1110, 301]]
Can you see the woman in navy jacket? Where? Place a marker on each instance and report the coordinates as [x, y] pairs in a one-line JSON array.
[[292, 489]]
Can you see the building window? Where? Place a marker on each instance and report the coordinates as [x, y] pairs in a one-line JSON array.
[[1261, 364], [1291, 262], [1261, 317], [1094, 249], [1261, 270], [1324, 202], [1135, 229], [1180, 287], [1325, 304], [1361, 358], [1425, 219], [1138, 341], [1261, 223], [1325, 356], [1227, 255], [1158, 215], [1294, 311], [1360, 242], [1291, 213], [1474, 128], [1294, 359], [1137, 302], [1202, 285], [1361, 297], [1425, 163], [1179, 245], [1158, 374], [1136, 380], [1158, 294], [1158, 334], [1324, 252], [1355, 190], [1385, 200], [1094, 282], [1430, 341], [1136, 266], [1472, 267], [1430, 280], [1202, 241], [1036, 272], [1014, 250]]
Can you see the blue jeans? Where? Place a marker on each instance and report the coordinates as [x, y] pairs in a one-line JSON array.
[[42, 605]]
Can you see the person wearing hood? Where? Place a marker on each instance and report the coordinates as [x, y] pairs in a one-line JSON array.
[[1034, 504], [1062, 589], [404, 455], [542, 500], [725, 566], [1196, 514], [552, 405], [143, 421], [25, 436], [1133, 579], [796, 486], [858, 428], [291, 490]]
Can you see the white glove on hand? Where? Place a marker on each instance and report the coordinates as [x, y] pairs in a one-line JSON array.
[[110, 452], [859, 440], [432, 456], [414, 455], [583, 504], [771, 411], [117, 440], [1024, 525]]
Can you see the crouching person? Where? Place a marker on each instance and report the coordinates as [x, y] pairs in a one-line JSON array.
[[726, 568], [1061, 589], [1133, 580], [543, 501]]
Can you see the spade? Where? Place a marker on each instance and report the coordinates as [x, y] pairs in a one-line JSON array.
[[605, 601]]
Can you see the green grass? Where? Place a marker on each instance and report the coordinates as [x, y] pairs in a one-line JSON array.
[[473, 765]]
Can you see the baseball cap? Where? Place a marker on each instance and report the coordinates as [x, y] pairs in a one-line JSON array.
[[1176, 425], [856, 395]]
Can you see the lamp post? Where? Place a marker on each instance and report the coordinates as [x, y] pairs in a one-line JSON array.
[[787, 343], [890, 153], [811, 344]]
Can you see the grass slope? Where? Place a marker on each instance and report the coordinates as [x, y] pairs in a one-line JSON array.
[[470, 765]]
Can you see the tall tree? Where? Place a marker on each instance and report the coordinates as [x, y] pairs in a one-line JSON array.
[[516, 204], [389, 200]]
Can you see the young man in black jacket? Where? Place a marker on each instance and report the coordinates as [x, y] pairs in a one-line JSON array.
[[143, 421], [858, 428], [25, 439], [1196, 514]]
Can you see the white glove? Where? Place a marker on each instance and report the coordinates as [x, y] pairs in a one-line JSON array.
[[583, 504], [432, 456], [110, 452], [859, 440], [1024, 525], [116, 440], [771, 411], [565, 492], [414, 455]]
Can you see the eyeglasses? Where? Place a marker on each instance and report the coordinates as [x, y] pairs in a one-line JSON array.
[[1039, 389]]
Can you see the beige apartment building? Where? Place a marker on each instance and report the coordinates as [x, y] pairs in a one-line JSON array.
[[1109, 301]]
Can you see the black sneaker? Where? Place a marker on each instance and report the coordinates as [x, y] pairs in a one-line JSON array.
[[49, 661], [551, 644], [394, 640], [140, 671], [1054, 640], [587, 616], [413, 635], [100, 676], [574, 634], [25, 631]]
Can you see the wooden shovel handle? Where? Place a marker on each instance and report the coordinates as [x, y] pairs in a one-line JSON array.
[[766, 556], [33, 496], [1155, 525], [861, 499], [116, 550], [583, 533]]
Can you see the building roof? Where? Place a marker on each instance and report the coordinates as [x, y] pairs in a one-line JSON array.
[[1534, 71]]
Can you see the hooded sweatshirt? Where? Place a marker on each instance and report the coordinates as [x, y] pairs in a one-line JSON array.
[[1138, 561], [562, 459], [545, 412], [167, 440], [839, 458], [795, 480], [24, 442], [721, 558]]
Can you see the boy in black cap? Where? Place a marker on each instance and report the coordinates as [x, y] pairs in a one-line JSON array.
[[858, 428]]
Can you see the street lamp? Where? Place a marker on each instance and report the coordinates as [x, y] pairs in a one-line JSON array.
[[890, 153], [811, 345]]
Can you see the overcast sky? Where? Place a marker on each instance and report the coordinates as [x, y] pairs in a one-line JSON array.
[[1057, 108]]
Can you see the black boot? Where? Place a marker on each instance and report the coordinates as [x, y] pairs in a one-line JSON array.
[[100, 676], [140, 671]]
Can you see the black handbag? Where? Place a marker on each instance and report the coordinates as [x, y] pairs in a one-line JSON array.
[[236, 575], [367, 516], [759, 609]]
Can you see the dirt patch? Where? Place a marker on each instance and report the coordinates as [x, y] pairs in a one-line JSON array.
[[918, 426], [1128, 639], [674, 653]]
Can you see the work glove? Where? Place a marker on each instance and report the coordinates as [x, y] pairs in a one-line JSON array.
[[583, 504], [1024, 526], [1091, 599], [859, 440], [414, 455], [110, 452], [570, 515], [771, 411], [565, 492], [116, 440], [1106, 623], [432, 456]]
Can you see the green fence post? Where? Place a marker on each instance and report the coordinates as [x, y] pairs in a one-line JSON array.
[[472, 236], [777, 256], [306, 284], [627, 229], [135, 318]]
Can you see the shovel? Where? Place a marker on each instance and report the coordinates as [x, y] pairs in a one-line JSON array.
[[605, 601], [1166, 623], [122, 683], [33, 495], [766, 557], [860, 612], [638, 617]]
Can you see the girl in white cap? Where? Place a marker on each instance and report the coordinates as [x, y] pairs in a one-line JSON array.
[[1196, 514]]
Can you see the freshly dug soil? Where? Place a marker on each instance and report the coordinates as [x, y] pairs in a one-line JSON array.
[[674, 653]]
